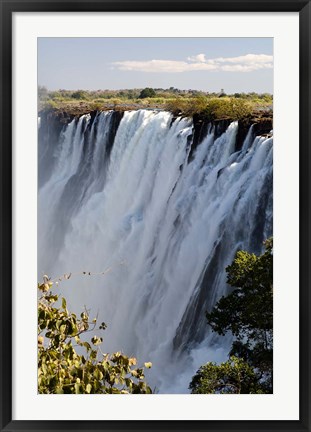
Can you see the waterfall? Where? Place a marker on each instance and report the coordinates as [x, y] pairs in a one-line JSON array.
[[126, 192]]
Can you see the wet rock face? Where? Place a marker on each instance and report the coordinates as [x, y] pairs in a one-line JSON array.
[[262, 126], [262, 121], [55, 118], [116, 119], [201, 126], [221, 126], [51, 124]]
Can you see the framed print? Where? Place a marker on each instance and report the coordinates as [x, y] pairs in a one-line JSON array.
[[155, 191]]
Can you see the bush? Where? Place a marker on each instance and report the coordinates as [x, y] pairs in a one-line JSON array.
[[247, 314], [234, 376], [80, 94], [61, 369], [212, 109], [147, 92]]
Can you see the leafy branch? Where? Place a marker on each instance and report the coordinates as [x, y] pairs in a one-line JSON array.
[[63, 369]]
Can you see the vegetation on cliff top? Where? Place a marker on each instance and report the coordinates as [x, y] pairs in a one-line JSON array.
[[179, 102]]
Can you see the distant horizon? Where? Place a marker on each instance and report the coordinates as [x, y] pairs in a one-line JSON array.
[[237, 65], [141, 88]]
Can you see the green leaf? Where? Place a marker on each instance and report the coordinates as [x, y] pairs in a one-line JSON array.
[[62, 328], [87, 346], [96, 340], [59, 390]]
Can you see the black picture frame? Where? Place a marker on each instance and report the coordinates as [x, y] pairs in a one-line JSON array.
[[7, 9]]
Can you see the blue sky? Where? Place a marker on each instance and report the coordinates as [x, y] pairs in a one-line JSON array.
[[208, 64]]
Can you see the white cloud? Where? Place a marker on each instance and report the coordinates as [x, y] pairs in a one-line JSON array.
[[245, 68], [246, 63], [161, 66], [198, 58], [247, 59]]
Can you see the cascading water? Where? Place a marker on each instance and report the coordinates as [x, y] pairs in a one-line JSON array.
[[132, 195]]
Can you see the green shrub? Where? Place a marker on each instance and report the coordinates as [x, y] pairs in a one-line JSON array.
[[234, 376], [80, 94], [63, 369], [211, 108], [147, 92], [247, 314]]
